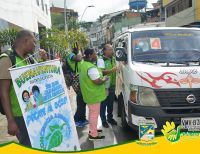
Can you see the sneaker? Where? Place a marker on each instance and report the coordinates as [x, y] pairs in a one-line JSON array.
[[112, 122], [86, 122], [99, 137], [80, 124], [105, 125]]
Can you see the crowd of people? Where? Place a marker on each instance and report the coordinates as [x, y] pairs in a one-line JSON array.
[[92, 77]]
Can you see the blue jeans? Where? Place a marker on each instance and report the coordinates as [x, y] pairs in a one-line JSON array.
[[107, 104], [80, 114]]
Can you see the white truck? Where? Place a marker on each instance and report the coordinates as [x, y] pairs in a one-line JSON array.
[[159, 76]]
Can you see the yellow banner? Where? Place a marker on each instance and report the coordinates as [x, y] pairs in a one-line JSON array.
[[186, 145]]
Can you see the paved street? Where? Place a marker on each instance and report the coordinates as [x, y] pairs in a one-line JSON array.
[[114, 135]]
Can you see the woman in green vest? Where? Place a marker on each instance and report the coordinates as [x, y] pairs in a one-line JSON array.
[[93, 90]]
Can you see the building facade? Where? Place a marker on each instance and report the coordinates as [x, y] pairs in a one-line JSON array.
[[25, 14], [182, 13], [58, 18], [118, 22]]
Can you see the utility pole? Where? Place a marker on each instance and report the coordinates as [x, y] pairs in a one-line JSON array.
[[65, 17], [161, 4]]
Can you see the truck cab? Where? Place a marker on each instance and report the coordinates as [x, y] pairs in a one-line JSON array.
[[159, 76]]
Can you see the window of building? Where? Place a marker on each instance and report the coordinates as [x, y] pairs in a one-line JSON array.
[[179, 6], [173, 10], [42, 4], [46, 9], [38, 2], [190, 3]]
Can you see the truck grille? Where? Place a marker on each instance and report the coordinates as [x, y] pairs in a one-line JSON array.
[[177, 98]]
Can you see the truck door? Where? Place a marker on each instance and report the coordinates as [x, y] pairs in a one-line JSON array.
[[125, 74]]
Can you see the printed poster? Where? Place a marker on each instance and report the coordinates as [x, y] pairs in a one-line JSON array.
[[44, 101], [155, 43]]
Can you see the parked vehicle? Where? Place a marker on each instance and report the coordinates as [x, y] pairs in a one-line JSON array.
[[160, 76]]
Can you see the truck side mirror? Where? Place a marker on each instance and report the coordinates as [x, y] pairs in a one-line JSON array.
[[121, 54]]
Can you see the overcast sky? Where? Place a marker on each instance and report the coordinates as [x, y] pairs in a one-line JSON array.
[[101, 7]]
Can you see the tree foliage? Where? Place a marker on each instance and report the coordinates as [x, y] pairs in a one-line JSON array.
[[7, 37], [61, 42]]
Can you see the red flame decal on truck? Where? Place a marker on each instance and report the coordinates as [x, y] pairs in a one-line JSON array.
[[168, 77]]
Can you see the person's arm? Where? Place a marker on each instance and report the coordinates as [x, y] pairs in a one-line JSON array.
[[94, 75], [101, 65], [5, 99], [100, 81], [76, 58], [107, 72], [5, 82]]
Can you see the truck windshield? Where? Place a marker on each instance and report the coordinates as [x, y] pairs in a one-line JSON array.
[[177, 46]]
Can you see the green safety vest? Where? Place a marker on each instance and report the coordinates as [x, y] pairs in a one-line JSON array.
[[92, 93], [16, 110], [109, 64], [15, 107], [72, 64]]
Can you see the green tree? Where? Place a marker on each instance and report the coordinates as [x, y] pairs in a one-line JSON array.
[[7, 37], [73, 24], [61, 42], [57, 20]]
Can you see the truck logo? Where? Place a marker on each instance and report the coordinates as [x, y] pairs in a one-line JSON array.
[[191, 99]]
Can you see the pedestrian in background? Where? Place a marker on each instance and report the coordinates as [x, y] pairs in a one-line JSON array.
[[93, 90]]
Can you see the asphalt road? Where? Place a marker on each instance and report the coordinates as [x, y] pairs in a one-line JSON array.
[[113, 135]]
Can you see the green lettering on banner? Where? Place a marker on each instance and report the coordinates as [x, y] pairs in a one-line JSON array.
[[26, 76]]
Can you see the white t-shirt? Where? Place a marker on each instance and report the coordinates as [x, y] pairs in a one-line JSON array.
[[93, 73], [100, 63]]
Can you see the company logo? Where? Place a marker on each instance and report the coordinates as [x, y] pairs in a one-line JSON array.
[[173, 134], [54, 132], [191, 99], [146, 135], [170, 133]]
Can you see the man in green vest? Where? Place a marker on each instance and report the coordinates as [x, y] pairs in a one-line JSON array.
[[74, 60], [24, 44], [108, 65]]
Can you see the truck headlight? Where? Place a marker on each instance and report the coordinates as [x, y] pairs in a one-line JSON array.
[[133, 93], [147, 97]]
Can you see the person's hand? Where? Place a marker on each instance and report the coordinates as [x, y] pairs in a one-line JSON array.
[[106, 78], [114, 69], [12, 128], [79, 57], [43, 54]]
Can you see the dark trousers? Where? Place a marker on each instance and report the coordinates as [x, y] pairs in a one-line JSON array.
[[80, 114], [108, 104], [23, 135]]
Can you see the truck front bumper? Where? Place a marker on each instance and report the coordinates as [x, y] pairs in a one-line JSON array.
[[158, 115]]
